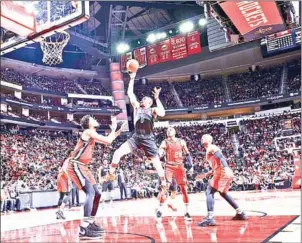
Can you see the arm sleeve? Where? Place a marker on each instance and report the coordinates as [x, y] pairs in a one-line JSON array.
[[219, 156], [190, 162]]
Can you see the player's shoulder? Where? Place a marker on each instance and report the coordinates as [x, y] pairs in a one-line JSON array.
[[213, 148], [182, 142]]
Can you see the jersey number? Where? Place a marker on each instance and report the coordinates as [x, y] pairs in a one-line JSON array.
[[178, 154]]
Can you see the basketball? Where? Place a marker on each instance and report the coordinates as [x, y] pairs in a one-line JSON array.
[[132, 66]]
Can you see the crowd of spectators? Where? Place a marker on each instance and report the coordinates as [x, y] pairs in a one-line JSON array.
[[260, 83], [166, 96], [32, 158], [201, 93], [93, 87], [294, 76], [264, 82], [59, 85]]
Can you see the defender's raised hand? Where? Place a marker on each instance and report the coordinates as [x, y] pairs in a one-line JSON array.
[[156, 92]]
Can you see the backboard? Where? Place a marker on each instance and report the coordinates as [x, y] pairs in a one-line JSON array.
[[26, 22]]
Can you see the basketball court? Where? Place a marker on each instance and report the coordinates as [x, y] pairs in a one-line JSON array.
[[274, 216]]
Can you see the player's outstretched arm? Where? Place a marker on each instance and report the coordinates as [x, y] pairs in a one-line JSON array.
[[110, 138], [188, 155], [130, 91], [159, 109], [162, 149]]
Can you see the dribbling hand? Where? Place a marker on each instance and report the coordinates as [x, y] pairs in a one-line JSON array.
[[228, 172], [200, 177]]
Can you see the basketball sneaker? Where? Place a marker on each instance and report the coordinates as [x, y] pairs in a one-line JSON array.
[[93, 226], [60, 214], [207, 222], [88, 233], [240, 216], [188, 217]]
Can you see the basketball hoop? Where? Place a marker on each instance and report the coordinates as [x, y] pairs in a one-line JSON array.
[[53, 46]]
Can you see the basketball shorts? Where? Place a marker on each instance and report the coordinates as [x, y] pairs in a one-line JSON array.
[[147, 144], [221, 182], [178, 172], [107, 186], [62, 183], [78, 172]]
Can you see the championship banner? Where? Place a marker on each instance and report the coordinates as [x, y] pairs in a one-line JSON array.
[[141, 56], [178, 47], [124, 58], [164, 50], [254, 19], [193, 43], [152, 56]]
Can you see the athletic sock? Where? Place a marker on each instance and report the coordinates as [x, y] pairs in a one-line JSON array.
[[85, 222], [186, 208], [210, 215], [91, 219], [238, 210]]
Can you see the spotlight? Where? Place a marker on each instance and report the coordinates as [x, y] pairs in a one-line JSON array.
[[163, 35], [151, 38], [158, 36], [186, 27], [202, 22], [122, 48], [170, 31]]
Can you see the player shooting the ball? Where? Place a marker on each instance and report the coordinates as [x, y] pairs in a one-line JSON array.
[[143, 137]]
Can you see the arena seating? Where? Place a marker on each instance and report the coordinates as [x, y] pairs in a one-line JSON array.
[[201, 93], [166, 95], [34, 156], [49, 83], [294, 76], [93, 87], [263, 83]]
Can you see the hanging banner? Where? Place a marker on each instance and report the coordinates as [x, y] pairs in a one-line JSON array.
[[124, 59], [152, 55], [193, 43], [254, 19], [141, 56], [178, 47], [164, 50]]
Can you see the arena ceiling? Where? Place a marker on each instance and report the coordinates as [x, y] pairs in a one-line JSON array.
[[137, 17]]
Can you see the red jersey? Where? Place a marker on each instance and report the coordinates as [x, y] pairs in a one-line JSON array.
[[215, 163], [83, 151], [174, 151]]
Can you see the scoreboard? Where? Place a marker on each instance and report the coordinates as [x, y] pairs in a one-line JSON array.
[[278, 43]]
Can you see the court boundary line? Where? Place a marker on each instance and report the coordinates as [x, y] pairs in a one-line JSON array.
[[152, 240], [280, 229]]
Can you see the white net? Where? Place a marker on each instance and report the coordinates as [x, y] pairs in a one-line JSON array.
[[53, 46]]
